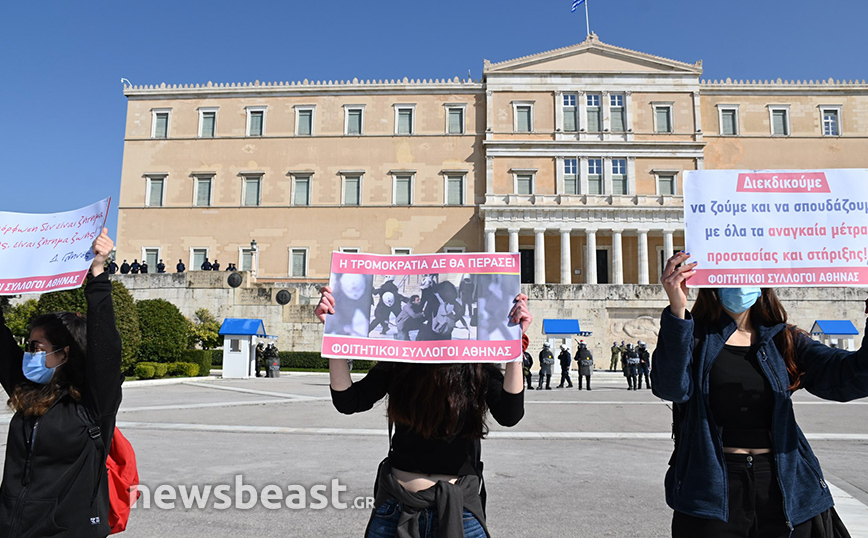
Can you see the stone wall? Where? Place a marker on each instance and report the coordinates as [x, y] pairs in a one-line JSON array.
[[611, 312]]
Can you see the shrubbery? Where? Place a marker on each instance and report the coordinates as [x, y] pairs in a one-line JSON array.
[[201, 358], [165, 331], [156, 370]]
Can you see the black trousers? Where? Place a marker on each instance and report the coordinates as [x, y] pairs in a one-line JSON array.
[[565, 377], [756, 506], [588, 378]]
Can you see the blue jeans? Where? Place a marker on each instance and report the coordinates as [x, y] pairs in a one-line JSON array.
[[385, 522]]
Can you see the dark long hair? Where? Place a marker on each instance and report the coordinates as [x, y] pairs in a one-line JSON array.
[[767, 311], [440, 401], [62, 329]]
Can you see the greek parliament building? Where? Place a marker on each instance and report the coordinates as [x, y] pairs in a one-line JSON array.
[[573, 157]]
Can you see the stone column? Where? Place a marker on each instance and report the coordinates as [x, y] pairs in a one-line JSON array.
[[617, 258], [668, 244], [489, 240], [591, 258], [513, 240], [539, 255], [566, 258], [643, 257]]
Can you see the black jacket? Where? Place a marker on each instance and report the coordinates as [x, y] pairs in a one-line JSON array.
[[54, 477]]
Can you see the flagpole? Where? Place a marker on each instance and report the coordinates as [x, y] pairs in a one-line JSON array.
[[587, 21]]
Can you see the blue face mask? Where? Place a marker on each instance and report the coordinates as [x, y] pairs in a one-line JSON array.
[[737, 300], [34, 367]]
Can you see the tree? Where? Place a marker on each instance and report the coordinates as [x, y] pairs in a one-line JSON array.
[[18, 318], [126, 317], [205, 330], [165, 331]]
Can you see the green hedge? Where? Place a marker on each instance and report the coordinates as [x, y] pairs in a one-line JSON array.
[[202, 358], [297, 360], [145, 371], [156, 370]]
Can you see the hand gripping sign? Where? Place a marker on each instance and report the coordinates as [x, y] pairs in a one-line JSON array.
[[777, 227], [48, 252], [432, 308]]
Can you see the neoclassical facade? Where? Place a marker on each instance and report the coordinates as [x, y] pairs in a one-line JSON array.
[[573, 157]]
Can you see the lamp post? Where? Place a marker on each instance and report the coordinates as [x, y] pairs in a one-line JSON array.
[[254, 250]]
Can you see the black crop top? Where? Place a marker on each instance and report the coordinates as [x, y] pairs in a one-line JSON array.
[[741, 398], [413, 453]]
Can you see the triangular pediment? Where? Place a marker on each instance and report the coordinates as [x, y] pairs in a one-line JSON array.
[[593, 56]]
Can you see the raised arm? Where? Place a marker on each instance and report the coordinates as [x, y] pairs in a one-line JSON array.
[[833, 374], [514, 379], [673, 356], [103, 363]]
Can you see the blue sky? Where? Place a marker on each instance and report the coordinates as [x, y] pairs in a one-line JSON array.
[[62, 106]]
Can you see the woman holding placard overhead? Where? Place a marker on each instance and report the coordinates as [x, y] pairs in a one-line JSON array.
[[431, 483], [65, 390], [742, 466]]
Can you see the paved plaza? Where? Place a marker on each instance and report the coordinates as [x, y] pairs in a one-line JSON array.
[[579, 463]]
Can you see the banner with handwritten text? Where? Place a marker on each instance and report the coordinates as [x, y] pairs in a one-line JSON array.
[[48, 252], [431, 308], [772, 228]]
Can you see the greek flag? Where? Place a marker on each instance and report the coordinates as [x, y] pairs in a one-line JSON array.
[[576, 4]]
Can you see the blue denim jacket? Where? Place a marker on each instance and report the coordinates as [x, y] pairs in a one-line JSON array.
[[696, 482]]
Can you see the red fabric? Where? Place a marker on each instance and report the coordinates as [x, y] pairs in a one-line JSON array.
[[123, 477], [525, 342]]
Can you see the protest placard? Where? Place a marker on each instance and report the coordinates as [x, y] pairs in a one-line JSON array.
[[777, 227], [432, 308], [48, 252]]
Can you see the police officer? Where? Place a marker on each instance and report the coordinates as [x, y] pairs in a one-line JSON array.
[[644, 364], [161, 267], [125, 267], [206, 265], [526, 365], [180, 267], [586, 364], [134, 267], [631, 366], [565, 359], [546, 361], [215, 266], [144, 267], [112, 267]]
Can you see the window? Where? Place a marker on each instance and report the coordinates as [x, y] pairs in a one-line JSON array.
[[616, 112], [160, 123], [402, 251], [523, 117], [350, 250], [256, 121], [619, 176], [197, 258], [155, 191], [354, 120], [571, 176], [595, 176], [298, 262], [151, 256], [235, 344], [665, 183], [831, 121], [207, 122], [780, 120], [246, 259], [353, 190], [662, 118], [301, 190], [252, 188], [455, 119], [304, 121], [524, 183], [454, 250], [728, 117], [595, 121], [404, 115], [203, 190], [454, 189], [402, 190], [571, 123]]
